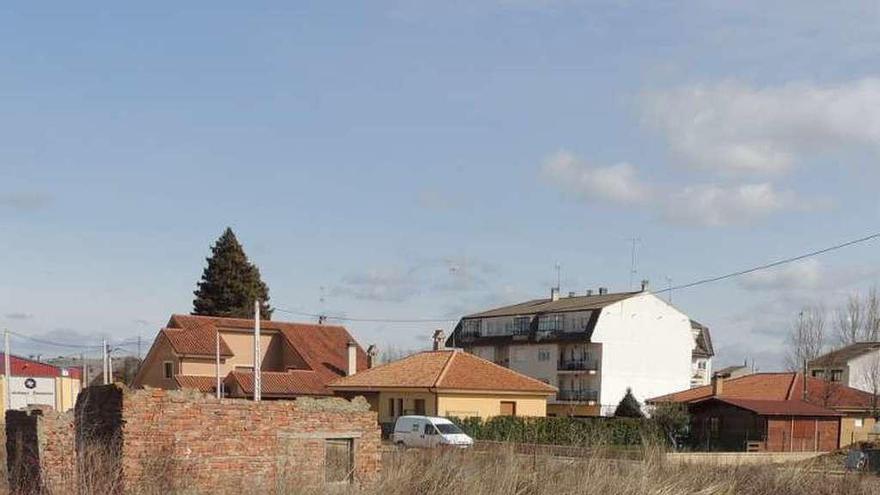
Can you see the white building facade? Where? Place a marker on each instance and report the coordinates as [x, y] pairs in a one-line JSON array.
[[856, 365], [592, 348]]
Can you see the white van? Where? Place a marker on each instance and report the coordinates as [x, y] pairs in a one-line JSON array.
[[428, 432]]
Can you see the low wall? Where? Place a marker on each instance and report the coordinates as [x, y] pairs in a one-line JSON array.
[[740, 458], [121, 441]]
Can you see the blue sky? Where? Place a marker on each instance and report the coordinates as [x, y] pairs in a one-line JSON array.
[[412, 160]]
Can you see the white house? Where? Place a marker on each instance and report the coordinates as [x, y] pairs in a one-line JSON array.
[[856, 365], [592, 347]]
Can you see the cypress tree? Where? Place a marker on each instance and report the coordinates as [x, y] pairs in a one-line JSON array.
[[629, 407], [230, 283]]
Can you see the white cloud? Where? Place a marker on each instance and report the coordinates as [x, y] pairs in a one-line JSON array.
[[616, 183], [803, 275], [714, 205], [736, 128]]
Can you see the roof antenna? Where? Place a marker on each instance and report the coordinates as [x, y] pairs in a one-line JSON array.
[[558, 277], [632, 261]]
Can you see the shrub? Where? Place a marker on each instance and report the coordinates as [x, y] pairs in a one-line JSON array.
[[562, 430]]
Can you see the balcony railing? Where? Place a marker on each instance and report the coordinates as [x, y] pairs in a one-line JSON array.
[[470, 334], [578, 365], [578, 395]]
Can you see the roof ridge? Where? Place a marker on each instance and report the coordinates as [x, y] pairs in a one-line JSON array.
[[446, 366]]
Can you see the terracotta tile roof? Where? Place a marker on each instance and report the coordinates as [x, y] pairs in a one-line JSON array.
[[842, 356], [778, 387], [205, 384], [280, 383], [199, 341], [320, 348], [775, 407], [443, 370], [20, 366]]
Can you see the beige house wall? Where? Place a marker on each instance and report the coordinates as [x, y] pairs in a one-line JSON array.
[[489, 405], [152, 373], [850, 434], [242, 346], [409, 404]]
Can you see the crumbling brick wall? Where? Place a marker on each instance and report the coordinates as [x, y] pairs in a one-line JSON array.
[[180, 439], [39, 450]]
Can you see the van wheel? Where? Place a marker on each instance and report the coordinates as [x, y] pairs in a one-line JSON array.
[[400, 445]]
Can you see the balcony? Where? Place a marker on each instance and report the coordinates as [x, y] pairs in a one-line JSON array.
[[467, 335], [589, 365], [578, 396]]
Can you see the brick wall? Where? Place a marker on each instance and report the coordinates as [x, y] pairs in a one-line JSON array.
[[40, 450], [179, 439]]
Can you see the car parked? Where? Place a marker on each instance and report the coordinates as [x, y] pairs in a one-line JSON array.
[[428, 432]]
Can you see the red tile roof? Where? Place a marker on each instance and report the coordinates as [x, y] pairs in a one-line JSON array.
[[205, 384], [443, 370], [319, 352], [280, 383], [778, 387], [20, 366], [775, 407]]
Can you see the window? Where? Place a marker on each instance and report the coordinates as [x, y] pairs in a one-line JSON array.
[[715, 427], [472, 327], [836, 375], [508, 408], [550, 323], [391, 408], [420, 407], [338, 460], [859, 423], [400, 410], [818, 373], [429, 429], [701, 365], [543, 355], [168, 367], [521, 325]]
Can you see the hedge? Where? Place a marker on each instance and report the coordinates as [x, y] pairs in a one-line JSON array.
[[563, 430]]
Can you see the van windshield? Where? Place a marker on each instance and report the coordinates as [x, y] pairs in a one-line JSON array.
[[448, 428]]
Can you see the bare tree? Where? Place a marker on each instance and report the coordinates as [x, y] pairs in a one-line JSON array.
[[807, 338], [859, 319], [869, 376]]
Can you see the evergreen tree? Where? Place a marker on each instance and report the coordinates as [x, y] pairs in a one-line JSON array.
[[629, 407], [230, 283]]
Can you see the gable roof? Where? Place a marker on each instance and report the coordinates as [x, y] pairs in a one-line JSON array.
[[447, 369], [778, 387], [20, 366], [576, 303], [842, 356], [775, 407], [703, 346]]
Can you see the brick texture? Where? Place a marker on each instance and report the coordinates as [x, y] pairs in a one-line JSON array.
[[174, 440], [40, 450]]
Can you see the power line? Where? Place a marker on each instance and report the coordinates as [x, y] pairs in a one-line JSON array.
[[773, 264], [56, 344], [368, 320]]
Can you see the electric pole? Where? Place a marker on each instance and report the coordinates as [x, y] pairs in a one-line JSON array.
[[257, 353]]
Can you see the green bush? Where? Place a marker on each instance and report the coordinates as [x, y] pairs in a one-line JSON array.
[[563, 430]]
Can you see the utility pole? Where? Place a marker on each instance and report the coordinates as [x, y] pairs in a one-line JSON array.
[[104, 359], [85, 373], [109, 366], [7, 367], [217, 363], [258, 383], [139, 347]]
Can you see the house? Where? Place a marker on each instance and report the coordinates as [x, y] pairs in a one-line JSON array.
[[35, 383], [592, 347], [856, 365], [446, 382], [735, 371], [296, 359], [854, 407]]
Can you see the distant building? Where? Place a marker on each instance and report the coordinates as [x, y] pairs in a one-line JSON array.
[[592, 347], [446, 382], [734, 371], [37, 383], [297, 359], [855, 409], [856, 365]]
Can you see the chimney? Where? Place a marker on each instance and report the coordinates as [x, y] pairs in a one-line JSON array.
[[352, 358], [645, 285], [439, 339], [717, 385], [589, 292], [603, 291], [554, 293], [372, 352]]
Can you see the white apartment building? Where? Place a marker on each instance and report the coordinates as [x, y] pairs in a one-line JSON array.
[[856, 365], [593, 347]]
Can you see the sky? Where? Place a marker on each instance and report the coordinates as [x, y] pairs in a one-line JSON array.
[[413, 160]]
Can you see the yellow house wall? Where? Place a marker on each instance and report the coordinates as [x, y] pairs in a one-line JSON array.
[[409, 404], [849, 434], [152, 373], [486, 406]]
